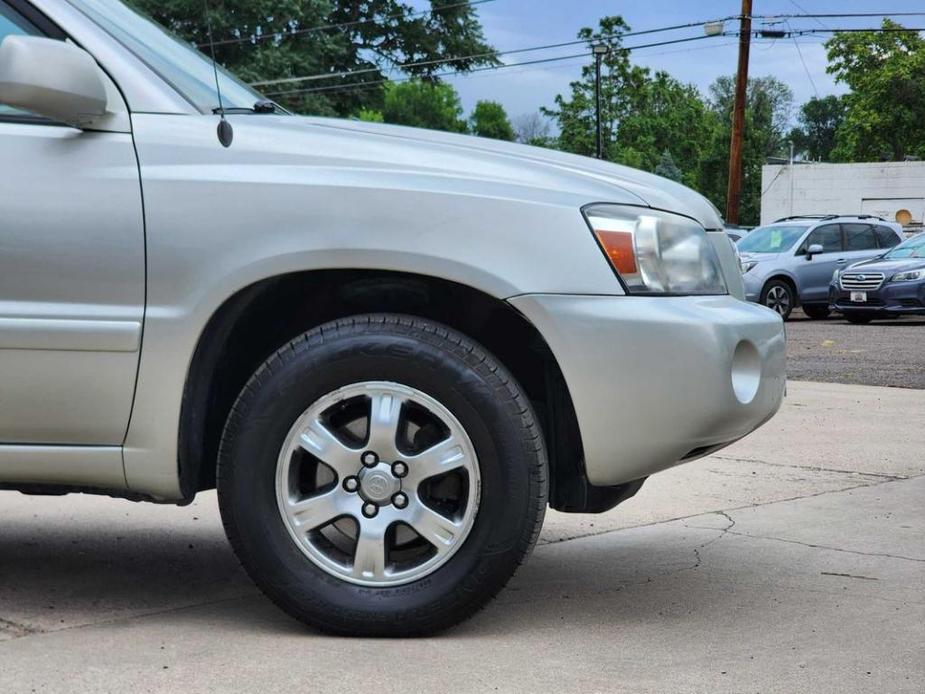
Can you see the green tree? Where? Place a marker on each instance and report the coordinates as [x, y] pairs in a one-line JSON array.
[[768, 105], [423, 105], [643, 114], [280, 39], [489, 119], [667, 168], [886, 73], [664, 115], [819, 122], [575, 113]]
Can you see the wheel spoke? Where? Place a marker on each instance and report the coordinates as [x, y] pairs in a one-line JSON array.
[[436, 460], [316, 511], [438, 530], [384, 416], [369, 556], [318, 440]]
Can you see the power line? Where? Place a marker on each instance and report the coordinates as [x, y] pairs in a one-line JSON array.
[[313, 90], [475, 56], [805, 68], [327, 27]]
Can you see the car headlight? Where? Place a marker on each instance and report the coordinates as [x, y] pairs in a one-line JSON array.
[[656, 252], [748, 265], [908, 276], [836, 275]]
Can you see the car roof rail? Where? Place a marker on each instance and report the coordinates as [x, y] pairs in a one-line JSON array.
[[806, 216], [823, 217]]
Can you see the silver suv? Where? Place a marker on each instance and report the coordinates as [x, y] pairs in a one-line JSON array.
[[790, 263], [388, 349]]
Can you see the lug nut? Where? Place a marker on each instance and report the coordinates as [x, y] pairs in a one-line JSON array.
[[369, 459], [370, 510], [399, 469], [400, 500], [351, 484]]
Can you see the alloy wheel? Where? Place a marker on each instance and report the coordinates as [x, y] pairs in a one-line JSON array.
[[378, 484]]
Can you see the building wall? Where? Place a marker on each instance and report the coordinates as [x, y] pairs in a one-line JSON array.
[[881, 188]]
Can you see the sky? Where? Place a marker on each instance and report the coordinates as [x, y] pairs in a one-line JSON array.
[[514, 24]]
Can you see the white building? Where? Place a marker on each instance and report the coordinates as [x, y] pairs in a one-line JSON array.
[[892, 190]]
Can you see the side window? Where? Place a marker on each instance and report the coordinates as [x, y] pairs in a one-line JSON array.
[[13, 24], [828, 236], [860, 237], [886, 236]]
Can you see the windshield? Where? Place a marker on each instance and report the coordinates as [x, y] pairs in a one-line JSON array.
[[176, 62], [910, 248], [771, 239]]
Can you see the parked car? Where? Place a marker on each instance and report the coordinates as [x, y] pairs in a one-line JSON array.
[[888, 286], [790, 263], [735, 233], [389, 349]]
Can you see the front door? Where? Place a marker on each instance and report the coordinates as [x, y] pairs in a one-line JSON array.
[[72, 276], [814, 273]]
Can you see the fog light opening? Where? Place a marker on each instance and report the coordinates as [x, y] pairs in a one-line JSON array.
[[746, 372]]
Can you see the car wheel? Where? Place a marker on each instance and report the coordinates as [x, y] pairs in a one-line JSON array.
[[858, 319], [778, 295], [816, 312], [382, 476]]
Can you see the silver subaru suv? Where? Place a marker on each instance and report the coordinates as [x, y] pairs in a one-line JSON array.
[[791, 262], [388, 349]]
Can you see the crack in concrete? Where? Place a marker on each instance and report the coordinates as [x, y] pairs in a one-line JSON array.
[[17, 630], [829, 547], [597, 533], [815, 468]]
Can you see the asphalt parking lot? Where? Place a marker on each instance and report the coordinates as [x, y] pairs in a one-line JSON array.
[[791, 561], [882, 353]]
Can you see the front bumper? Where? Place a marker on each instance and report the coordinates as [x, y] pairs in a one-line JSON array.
[[891, 299], [660, 380], [754, 283]]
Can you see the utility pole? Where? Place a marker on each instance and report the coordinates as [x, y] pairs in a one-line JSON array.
[[734, 191], [599, 50]]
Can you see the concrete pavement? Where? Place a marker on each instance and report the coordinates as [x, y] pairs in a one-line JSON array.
[[792, 561]]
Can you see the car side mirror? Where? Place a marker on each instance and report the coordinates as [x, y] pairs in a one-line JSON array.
[[52, 78], [814, 249]]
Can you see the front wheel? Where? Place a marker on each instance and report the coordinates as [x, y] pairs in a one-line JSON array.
[[382, 476], [779, 296]]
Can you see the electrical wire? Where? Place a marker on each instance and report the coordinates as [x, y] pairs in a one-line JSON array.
[[503, 66], [474, 56]]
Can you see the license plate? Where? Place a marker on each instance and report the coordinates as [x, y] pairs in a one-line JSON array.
[[859, 297]]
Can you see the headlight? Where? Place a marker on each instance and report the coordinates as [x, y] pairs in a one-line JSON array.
[[835, 275], [748, 265], [908, 276], [656, 252]]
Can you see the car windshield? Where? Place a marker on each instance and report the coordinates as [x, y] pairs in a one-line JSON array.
[[910, 248], [178, 63], [771, 239]]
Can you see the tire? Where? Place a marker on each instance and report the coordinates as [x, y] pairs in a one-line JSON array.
[[816, 311], [384, 358], [857, 319], [779, 296]]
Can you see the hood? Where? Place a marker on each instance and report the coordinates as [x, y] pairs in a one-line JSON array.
[[759, 257], [449, 154], [888, 266]]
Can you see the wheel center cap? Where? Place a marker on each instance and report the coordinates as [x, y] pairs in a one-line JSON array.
[[378, 484]]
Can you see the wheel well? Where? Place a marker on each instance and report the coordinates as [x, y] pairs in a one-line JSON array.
[[789, 282], [259, 319]]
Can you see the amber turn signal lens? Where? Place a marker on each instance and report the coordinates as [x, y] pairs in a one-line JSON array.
[[618, 245]]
